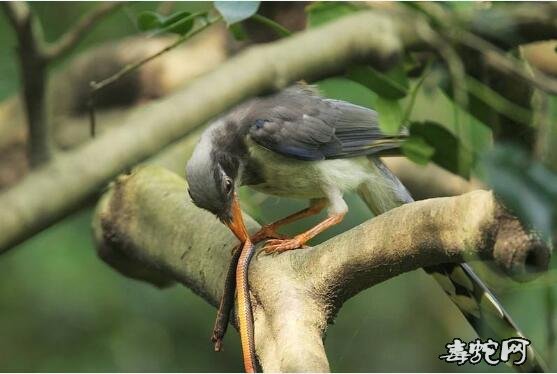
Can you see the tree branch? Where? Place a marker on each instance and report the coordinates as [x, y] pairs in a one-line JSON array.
[[33, 78], [429, 181], [147, 218], [498, 60], [371, 36], [72, 37], [34, 56], [82, 172], [505, 27], [16, 12], [129, 68]]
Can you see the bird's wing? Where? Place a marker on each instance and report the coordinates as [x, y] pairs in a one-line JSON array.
[[297, 123]]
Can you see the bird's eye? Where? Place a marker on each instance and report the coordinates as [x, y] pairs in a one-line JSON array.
[[228, 185], [259, 123]]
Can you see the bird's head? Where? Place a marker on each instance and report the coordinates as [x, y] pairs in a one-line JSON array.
[[211, 175]]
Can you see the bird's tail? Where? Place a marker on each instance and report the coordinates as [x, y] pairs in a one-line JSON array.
[[472, 297]]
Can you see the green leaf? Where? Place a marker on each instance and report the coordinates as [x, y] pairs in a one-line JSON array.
[[392, 84], [236, 11], [436, 106], [179, 23], [320, 13], [148, 20], [280, 30], [417, 150], [238, 32], [497, 102], [390, 114], [341, 88], [526, 187], [450, 153]]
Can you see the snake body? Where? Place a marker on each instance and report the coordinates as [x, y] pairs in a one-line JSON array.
[[245, 314]]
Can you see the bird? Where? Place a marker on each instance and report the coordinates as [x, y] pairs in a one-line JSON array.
[[296, 143]]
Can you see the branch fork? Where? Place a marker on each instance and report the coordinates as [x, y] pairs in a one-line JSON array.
[[147, 219]]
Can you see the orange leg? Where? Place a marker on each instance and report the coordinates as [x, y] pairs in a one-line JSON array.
[[281, 245], [269, 231]]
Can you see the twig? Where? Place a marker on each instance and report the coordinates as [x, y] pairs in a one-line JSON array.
[[275, 26], [493, 54], [498, 102], [414, 93], [455, 67], [72, 37], [496, 58], [91, 111], [129, 68], [16, 12]]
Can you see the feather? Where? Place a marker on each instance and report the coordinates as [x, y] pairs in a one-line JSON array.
[[300, 124]]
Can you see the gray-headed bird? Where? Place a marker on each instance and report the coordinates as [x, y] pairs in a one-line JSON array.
[[298, 144]]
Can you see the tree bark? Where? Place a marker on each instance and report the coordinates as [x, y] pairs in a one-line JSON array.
[[32, 65], [146, 227]]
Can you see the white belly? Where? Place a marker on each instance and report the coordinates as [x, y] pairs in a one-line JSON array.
[[294, 178]]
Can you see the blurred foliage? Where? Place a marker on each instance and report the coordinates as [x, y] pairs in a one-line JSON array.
[[392, 84], [513, 173], [321, 12], [180, 23], [64, 310], [445, 149]]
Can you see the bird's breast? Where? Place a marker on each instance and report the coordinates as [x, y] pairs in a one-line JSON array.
[[289, 177]]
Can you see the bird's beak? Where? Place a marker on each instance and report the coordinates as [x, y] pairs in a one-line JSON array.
[[236, 225]]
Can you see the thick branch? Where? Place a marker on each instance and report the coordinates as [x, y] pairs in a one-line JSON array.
[[16, 12], [514, 25], [429, 181], [33, 77], [68, 91], [147, 218], [528, 17], [72, 37], [83, 171], [507, 26]]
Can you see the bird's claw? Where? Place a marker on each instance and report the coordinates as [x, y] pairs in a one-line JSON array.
[[282, 245], [266, 232]]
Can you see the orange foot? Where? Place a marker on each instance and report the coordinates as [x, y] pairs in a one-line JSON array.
[[282, 245], [266, 232]]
